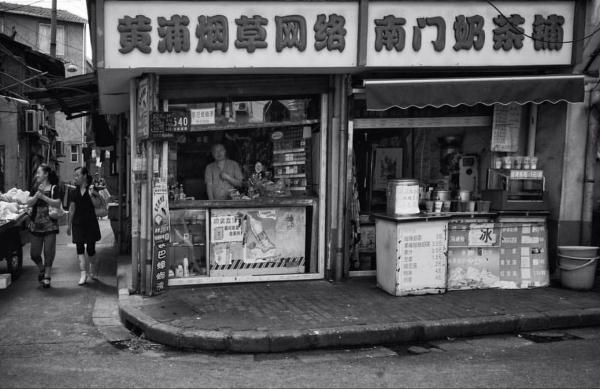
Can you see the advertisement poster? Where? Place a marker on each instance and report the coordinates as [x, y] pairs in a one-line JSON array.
[[388, 165], [483, 235], [202, 116], [505, 128], [160, 236], [473, 268], [253, 235], [143, 103]]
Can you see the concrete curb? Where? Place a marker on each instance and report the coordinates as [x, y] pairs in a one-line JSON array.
[[254, 341]]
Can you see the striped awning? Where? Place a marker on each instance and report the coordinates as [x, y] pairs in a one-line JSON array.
[[385, 94]]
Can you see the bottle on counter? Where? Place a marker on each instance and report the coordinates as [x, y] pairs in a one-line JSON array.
[[186, 267], [181, 192]]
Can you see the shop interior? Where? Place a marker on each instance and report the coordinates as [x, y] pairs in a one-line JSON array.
[[276, 144], [451, 153]]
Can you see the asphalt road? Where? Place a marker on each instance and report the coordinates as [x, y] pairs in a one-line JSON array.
[[49, 339]]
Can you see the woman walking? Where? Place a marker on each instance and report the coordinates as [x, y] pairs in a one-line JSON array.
[[43, 228], [83, 223]]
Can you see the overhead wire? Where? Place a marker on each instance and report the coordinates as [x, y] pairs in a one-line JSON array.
[[538, 39]]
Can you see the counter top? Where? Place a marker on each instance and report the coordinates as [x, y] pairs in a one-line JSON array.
[[419, 217], [256, 203]]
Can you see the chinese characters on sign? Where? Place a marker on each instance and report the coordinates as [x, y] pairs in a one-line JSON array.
[[160, 236], [212, 32], [469, 34]]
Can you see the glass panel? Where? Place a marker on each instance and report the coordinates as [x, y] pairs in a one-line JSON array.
[[187, 254]]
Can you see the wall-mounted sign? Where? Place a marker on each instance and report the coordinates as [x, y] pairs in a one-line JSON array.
[[505, 127], [202, 116], [230, 34], [160, 236], [434, 33], [166, 124]]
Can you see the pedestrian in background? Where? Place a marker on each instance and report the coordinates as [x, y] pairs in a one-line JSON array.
[[83, 223], [42, 227]]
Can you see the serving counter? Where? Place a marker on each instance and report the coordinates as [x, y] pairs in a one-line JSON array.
[[229, 239], [432, 252]]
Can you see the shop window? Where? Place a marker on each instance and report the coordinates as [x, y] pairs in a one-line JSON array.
[[74, 153], [44, 39], [273, 146]]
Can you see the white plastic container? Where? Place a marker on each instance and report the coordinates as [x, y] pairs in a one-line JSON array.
[[403, 197], [5, 280]]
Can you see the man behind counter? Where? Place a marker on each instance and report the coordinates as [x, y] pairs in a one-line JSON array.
[[222, 175]]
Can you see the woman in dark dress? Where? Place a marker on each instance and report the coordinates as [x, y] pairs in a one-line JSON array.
[[43, 228], [83, 223]]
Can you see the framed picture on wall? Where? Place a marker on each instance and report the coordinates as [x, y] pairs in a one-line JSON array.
[[388, 165]]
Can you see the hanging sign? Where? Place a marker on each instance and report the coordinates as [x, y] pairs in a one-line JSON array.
[[166, 124], [202, 116], [505, 128], [160, 236]]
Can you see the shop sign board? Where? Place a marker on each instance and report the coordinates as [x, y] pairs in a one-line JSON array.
[[202, 116], [230, 34], [143, 103], [461, 33], [160, 236], [257, 235], [167, 124]]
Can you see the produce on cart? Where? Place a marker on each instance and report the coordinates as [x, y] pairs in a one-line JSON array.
[[13, 217]]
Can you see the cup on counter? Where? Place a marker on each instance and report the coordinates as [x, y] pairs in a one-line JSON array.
[[429, 206], [506, 162], [498, 162], [464, 206], [438, 206], [517, 162], [446, 206], [526, 163], [534, 161], [471, 206]]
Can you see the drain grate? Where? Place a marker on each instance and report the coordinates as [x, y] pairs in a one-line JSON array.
[[548, 336]]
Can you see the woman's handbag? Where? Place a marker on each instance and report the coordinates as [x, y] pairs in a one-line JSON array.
[[100, 206], [57, 213]]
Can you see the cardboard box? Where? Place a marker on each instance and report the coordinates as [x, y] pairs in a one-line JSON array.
[[5, 280]]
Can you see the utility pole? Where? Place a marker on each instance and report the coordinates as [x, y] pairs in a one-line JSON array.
[[53, 30]]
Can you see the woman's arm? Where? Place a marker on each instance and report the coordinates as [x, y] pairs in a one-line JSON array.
[[33, 199], [70, 217], [52, 202]]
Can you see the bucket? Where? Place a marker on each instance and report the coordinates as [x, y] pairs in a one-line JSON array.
[[577, 266], [402, 197]]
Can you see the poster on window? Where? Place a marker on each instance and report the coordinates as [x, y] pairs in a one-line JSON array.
[[505, 128], [257, 235], [388, 165]]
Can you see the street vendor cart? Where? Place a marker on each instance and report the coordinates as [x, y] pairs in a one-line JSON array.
[[12, 237]]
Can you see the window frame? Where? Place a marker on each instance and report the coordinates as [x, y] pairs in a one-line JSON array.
[[60, 44], [74, 153]]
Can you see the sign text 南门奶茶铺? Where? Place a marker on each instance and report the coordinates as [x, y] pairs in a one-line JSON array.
[[325, 34], [469, 33]]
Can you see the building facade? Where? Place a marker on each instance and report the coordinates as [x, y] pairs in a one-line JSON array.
[[322, 105], [30, 25]]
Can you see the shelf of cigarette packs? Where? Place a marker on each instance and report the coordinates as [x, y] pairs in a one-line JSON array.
[[292, 159], [187, 252]]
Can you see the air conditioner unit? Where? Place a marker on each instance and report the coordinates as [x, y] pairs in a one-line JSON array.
[[31, 121]]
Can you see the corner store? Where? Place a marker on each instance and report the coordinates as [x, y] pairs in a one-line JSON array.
[[320, 71]]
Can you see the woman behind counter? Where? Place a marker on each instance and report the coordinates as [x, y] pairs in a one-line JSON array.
[[222, 175]]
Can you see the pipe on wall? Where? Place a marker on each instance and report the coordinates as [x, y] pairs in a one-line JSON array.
[[587, 208], [342, 183]]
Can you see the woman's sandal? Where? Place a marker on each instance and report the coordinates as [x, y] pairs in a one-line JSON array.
[[46, 282], [41, 275]]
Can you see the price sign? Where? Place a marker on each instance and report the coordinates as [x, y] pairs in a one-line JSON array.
[[166, 124], [482, 235]]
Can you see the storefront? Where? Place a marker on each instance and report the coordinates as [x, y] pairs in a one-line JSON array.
[[478, 120], [314, 107]]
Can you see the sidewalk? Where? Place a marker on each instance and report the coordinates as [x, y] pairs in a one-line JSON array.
[[280, 316]]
